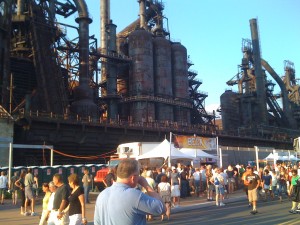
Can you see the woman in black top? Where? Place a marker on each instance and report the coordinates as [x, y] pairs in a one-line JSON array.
[[20, 184], [76, 205]]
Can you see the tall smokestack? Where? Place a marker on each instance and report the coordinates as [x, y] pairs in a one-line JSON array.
[[143, 23], [260, 79], [83, 104], [105, 19]]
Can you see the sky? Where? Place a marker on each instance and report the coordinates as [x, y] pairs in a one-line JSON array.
[[212, 31]]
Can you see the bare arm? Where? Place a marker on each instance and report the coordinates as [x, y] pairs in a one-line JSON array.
[[82, 203], [150, 191]]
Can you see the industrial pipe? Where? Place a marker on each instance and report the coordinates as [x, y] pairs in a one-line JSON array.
[[20, 7]]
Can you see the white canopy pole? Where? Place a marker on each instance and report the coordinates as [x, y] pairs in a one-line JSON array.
[[274, 157], [221, 158], [10, 160], [218, 152], [169, 160], [51, 157], [256, 154]]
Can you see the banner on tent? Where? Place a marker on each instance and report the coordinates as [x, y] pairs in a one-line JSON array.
[[203, 143]]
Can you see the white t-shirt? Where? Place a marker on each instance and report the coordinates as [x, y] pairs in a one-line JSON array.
[[196, 175], [3, 181], [51, 200], [164, 186]]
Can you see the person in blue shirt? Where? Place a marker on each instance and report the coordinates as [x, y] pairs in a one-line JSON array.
[[266, 183], [122, 203]]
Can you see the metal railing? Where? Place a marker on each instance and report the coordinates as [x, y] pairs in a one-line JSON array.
[[157, 99], [167, 126]]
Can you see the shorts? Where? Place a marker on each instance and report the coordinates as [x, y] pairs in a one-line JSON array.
[[210, 187], [252, 195], [266, 187], [2, 191], [28, 192], [175, 191], [220, 190]]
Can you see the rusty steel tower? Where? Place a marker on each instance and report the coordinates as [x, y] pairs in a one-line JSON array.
[[136, 78]]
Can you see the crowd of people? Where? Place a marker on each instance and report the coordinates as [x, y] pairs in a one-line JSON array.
[[266, 183], [62, 203], [136, 195]]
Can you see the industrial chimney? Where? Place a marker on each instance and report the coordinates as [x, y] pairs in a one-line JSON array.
[[260, 78]]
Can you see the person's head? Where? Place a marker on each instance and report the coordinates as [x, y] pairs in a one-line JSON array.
[[266, 171], [158, 170], [86, 171], [52, 186], [2, 173], [174, 170], [128, 171], [73, 180], [16, 173], [164, 178], [249, 169], [57, 179], [23, 174], [218, 170], [29, 170], [45, 187], [294, 172]]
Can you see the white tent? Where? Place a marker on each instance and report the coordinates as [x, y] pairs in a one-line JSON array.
[[291, 158], [197, 153], [271, 157], [163, 150]]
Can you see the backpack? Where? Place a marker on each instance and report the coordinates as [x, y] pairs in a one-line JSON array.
[[216, 182]]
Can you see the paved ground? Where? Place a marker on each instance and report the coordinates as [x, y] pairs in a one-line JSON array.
[[10, 215]]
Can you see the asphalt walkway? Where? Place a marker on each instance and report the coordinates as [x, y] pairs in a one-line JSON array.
[[10, 214]]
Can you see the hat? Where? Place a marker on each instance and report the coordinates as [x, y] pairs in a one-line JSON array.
[[173, 168]]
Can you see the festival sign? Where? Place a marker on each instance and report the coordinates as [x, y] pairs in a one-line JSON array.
[[203, 143]]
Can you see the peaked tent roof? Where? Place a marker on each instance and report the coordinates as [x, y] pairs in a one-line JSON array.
[[163, 150]]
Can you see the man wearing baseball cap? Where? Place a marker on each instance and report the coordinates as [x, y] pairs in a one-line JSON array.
[[253, 182]]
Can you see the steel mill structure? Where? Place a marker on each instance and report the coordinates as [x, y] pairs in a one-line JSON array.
[[255, 108], [137, 85]]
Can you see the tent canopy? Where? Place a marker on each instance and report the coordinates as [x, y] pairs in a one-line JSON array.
[[163, 151], [281, 157]]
